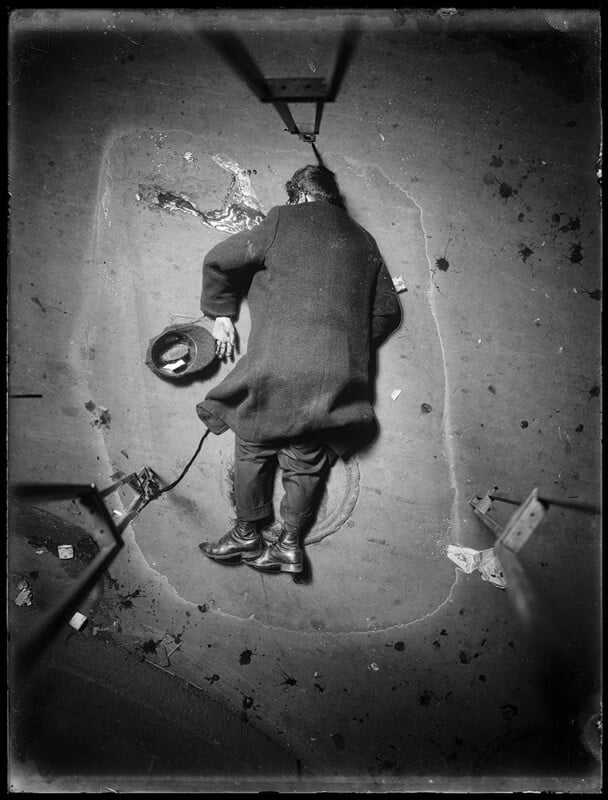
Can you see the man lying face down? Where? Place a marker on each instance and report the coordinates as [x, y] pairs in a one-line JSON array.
[[320, 299]]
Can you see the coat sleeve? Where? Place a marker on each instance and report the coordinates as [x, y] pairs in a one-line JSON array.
[[386, 309], [229, 266]]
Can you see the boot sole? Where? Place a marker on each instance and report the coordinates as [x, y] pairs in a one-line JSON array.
[[292, 568], [237, 558]]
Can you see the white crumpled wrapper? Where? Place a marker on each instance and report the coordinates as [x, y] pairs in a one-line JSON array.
[[484, 561]]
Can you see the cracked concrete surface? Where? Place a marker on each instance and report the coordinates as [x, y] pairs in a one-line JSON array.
[[467, 146]]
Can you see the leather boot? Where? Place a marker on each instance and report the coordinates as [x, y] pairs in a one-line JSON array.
[[284, 555], [239, 544]]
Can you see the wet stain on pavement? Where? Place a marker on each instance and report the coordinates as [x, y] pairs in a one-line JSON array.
[[442, 264], [596, 294], [338, 741], [126, 601], [399, 647], [525, 252], [245, 657], [496, 161], [508, 710], [576, 255], [504, 190], [574, 224], [289, 681], [425, 697], [38, 303]]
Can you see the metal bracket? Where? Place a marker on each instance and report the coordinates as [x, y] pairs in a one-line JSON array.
[[281, 91], [146, 486], [521, 525]]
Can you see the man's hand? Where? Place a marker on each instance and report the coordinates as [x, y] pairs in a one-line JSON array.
[[224, 334]]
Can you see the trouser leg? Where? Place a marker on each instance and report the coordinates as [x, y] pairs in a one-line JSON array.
[[254, 470], [304, 466]]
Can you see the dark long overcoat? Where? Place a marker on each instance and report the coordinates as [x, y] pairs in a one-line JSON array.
[[320, 297]]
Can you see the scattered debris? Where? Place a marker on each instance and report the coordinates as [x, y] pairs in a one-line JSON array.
[[78, 621], [395, 394], [311, 65], [399, 284], [375, 667], [65, 551], [24, 593], [426, 408], [484, 561], [188, 156]]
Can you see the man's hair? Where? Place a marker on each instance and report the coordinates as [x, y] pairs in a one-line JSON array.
[[317, 181]]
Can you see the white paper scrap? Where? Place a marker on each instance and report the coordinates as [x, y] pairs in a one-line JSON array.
[[175, 365], [65, 551], [395, 394], [399, 284], [78, 620], [484, 561], [24, 598]]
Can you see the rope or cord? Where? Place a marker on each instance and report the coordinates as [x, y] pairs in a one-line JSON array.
[[188, 465], [183, 472]]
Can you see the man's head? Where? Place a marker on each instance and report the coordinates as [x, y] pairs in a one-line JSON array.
[[314, 182]]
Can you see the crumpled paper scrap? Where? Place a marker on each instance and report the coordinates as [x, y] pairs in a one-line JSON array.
[[484, 561], [24, 596]]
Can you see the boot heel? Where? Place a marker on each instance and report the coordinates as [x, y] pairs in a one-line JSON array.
[[293, 568]]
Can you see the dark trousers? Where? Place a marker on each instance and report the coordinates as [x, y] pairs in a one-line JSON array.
[[304, 465]]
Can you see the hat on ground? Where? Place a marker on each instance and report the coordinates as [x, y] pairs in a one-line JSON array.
[[181, 351]]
